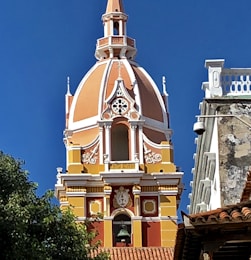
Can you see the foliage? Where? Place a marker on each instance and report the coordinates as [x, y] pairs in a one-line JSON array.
[[32, 227]]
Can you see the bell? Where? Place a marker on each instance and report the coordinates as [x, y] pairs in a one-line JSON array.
[[123, 232]]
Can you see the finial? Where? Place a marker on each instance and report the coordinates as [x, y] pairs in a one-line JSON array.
[[68, 87], [164, 86]]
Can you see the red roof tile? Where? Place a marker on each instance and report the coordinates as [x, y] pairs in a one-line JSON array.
[[234, 213], [142, 253]]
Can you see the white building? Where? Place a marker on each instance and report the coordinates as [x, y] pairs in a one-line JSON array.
[[223, 156]]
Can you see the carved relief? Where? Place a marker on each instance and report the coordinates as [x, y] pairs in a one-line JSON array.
[[151, 157], [122, 198], [91, 156]]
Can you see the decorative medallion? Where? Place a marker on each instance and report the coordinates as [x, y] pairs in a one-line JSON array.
[[120, 105], [95, 206], [122, 198], [149, 206], [90, 157]]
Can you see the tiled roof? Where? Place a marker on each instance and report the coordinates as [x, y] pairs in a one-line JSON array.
[[142, 253], [231, 222], [240, 212]]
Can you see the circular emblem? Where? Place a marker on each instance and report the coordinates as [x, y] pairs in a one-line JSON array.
[[120, 105], [121, 198]]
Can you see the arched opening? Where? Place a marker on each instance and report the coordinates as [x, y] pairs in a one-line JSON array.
[[122, 230], [116, 28], [120, 147]]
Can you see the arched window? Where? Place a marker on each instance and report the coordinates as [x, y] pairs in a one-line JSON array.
[[120, 147], [122, 230], [116, 28]]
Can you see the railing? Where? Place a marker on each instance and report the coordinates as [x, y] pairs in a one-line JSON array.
[[236, 81], [226, 82], [115, 40]]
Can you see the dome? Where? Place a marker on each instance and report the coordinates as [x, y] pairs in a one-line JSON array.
[[93, 99], [116, 89]]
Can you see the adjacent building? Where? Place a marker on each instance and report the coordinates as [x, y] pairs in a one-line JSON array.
[[219, 224], [223, 156], [120, 168]]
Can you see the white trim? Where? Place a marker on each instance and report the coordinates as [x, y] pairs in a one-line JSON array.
[[122, 211], [95, 194], [136, 218], [154, 145], [108, 218], [156, 125], [64, 203], [81, 218], [84, 124], [151, 219], [75, 194], [157, 92], [103, 87], [76, 95]]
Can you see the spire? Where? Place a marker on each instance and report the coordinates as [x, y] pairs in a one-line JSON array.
[[165, 98], [115, 43], [68, 87], [114, 6]]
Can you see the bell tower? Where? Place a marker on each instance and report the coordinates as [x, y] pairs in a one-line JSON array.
[[119, 166]]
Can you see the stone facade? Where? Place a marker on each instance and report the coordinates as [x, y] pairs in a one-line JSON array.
[[234, 150], [222, 158]]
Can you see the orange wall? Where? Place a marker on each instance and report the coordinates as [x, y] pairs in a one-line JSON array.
[[151, 234], [94, 226]]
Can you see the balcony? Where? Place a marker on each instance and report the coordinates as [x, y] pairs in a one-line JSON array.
[[115, 40]]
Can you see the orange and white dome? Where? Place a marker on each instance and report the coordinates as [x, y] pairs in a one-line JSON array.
[[115, 91]]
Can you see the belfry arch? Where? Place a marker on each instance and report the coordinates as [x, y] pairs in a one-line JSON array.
[[122, 230], [120, 143]]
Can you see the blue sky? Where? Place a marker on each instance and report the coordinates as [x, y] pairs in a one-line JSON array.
[[43, 42]]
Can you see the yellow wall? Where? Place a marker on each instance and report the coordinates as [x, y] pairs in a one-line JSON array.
[[107, 233], [168, 227], [137, 233], [167, 205], [78, 205]]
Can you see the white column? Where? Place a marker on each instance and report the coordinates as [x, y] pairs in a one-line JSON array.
[[105, 29], [133, 140], [101, 148], [111, 28], [215, 68], [107, 202], [141, 148], [108, 140], [120, 27]]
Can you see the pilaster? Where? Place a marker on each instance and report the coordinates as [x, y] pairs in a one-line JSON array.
[[108, 232], [137, 231]]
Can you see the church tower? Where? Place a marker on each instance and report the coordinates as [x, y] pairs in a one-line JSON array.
[[119, 165]]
